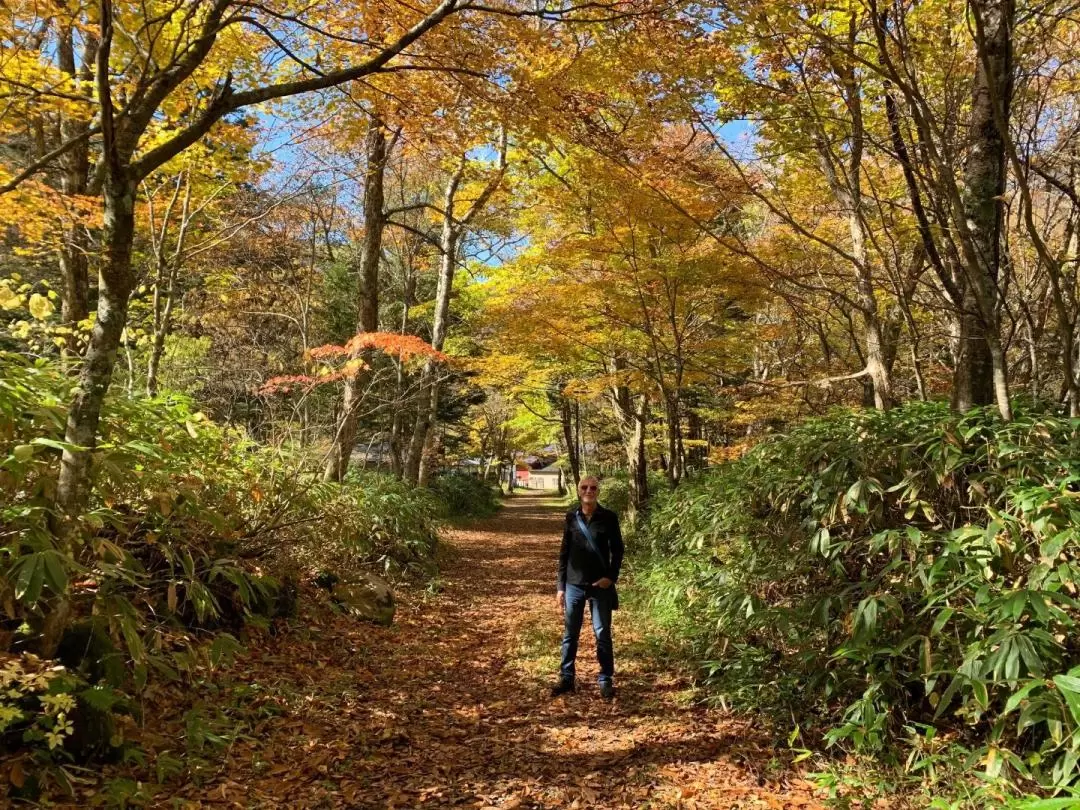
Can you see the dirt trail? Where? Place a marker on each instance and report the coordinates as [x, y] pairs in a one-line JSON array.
[[450, 707]]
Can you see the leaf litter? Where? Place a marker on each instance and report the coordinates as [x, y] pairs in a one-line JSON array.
[[444, 710]]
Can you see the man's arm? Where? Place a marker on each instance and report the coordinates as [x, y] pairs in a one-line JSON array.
[[564, 557], [617, 550]]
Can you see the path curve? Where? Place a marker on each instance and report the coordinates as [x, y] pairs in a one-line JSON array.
[[450, 706]]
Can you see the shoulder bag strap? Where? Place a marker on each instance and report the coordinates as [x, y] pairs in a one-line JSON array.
[[588, 536]]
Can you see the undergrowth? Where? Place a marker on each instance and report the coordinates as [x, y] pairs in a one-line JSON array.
[[897, 584], [192, 532], [466, 496]]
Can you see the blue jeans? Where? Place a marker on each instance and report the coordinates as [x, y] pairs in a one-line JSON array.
[[600, 600]]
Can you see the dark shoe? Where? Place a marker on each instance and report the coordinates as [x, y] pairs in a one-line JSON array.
[[562, 687], [607, 691]]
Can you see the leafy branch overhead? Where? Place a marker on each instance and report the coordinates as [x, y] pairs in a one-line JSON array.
[[405, 348]]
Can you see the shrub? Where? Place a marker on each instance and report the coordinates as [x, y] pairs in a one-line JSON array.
[[383, 520], [190, 531], [615, 491], [466, 495], [895, 574]]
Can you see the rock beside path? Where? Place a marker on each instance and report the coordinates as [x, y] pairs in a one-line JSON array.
[[368, 597]]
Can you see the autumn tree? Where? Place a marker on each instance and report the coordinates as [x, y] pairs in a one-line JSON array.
[[164, 77], [460, 205], [623, 286]]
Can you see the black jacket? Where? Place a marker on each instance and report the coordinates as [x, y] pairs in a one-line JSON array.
[[578, 563]]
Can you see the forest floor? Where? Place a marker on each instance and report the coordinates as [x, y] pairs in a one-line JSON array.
[[450, 707]]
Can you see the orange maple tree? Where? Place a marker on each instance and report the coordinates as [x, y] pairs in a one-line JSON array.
[[403, 347]]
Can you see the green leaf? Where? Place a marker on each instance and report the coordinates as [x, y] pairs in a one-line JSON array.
[[224, 648], [143, 448], [1068, 683], [941, 620], [993, 762], [1070, 690], [57, 445], [55, 575], [31, 577], [978, 688], [102, 698], [130, 631], [946, 698], [853, 497], [1017, 697], [866, 616], [819, 543]]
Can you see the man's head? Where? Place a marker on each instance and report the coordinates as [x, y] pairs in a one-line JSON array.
[[588, 489]]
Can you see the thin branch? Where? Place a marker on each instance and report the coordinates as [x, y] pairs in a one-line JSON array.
[[43, 162]]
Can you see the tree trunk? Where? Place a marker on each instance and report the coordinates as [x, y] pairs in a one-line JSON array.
[[162, 325], [427, 458], [848, 195], [397, 427], [449, 239], [367, 295], [74, 179], [566, 413], [631, 414], [428, 400], [75, 275], [980, 375], [973, 369], [397, 460], [637, 466], [345, 437], [874, 345], [165, 281], [115, 286], [579, 443], [157, 349], [698, 453], [674, 440], [844, 174], [1074, 400]]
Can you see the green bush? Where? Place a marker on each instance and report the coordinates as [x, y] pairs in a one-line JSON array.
[[615, 490], [383, 520], [466, 495], [191, 530], [905, 575]]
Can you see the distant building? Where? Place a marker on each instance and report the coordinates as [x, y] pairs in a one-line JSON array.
[[545, 478], [468, 466]]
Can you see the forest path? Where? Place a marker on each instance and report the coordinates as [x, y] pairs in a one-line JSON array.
[[450, 707]]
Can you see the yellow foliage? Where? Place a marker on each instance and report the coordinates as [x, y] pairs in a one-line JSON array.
[[40, 306], [8, 299]]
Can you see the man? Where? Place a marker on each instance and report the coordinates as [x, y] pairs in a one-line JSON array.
[[589, 563]]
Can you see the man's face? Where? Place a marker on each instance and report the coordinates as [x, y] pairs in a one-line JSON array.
[[588, 490]]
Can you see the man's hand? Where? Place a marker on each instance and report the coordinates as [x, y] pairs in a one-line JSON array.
[[560, 600], [604, 582]]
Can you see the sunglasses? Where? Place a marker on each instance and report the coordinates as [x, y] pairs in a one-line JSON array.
[[589, 488]]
